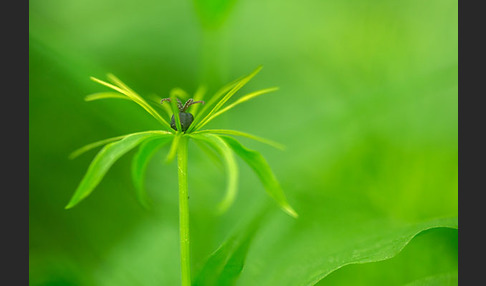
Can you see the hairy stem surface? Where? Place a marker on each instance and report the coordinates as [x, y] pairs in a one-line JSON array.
[[184, 212]]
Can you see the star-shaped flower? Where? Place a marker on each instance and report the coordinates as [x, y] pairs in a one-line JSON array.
[[186, 124]]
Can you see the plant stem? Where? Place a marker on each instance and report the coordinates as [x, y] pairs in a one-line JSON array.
[[184, 212]]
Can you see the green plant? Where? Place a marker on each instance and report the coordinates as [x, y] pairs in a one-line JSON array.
[[151, 141]]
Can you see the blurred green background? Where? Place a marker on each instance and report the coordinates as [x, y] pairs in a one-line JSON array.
[[367, 108]]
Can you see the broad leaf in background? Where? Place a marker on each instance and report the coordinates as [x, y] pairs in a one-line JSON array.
[[448, 279], [432, 252], [306, 255]]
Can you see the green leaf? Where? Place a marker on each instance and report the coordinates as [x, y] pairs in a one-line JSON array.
[[243, 99], [212, 101], [210, 153], [445, 279], [179, 92], [225, 264], [225, 152], [173, 147], [93, 145], [102, 163], [139, 166], [123, 89], [237, 87], [104, 95], [155, 99], [243, 134], [175, 111], [305, 253], [260, 166], [198, 95]]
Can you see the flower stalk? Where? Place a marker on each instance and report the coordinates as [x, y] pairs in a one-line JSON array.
[[184, 212], [220, 140]]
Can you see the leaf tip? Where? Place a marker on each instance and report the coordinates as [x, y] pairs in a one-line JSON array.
[[223, 207], [289, 210], [70, 205]]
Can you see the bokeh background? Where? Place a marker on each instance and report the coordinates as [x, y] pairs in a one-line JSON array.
[[367, 108]]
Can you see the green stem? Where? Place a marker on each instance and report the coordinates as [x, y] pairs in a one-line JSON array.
[[184, 212]]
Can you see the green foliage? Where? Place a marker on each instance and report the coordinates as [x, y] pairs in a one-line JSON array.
[[213, 13], [225, 264], [104, 160], [110, 154], [139, 166], [231, 167], [222, 144], [366, 109], [260, 166], [448, 279]]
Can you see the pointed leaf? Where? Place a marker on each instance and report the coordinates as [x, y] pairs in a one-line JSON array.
[[155, 99], [210, 153], [102, 163], [104, 95], [93, 145], [173, 148], [241, 100], [213, 100], [231, 167], [260, 166], [134, 97], [243, 134], [179, 92], [119, 83], [139, 166], [237, 87], [175, 112], [198, 95]]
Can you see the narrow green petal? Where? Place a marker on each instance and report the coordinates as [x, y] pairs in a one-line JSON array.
[[210, 153], [123, 89], [241, 100], [175, 111], [109, 85], [139, 166], [137, 98], [224, 150], [243, 134], [237, 87], [102, 163], [155, 99], [260, 166], [104, 95], [178, 92], [93, 145], [198, 95], [173, 147], [224, 89], [119, 83]]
